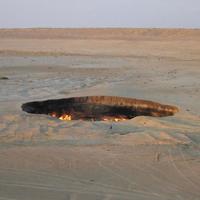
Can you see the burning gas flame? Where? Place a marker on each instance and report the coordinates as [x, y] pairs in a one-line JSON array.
[[114, 119], [65, 117], [53, 114], [68, 117]]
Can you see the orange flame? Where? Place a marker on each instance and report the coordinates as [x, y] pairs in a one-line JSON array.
[[65, 117], [68, 117], [114, 119], [53, 114]]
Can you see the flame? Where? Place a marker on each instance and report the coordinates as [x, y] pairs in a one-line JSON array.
[[53, 114], [65, 117], [68, 117], [114, 119]]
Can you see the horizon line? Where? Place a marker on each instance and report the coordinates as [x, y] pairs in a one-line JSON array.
[[158, 28]]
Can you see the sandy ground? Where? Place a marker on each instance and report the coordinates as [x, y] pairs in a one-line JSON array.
[[143, 158]]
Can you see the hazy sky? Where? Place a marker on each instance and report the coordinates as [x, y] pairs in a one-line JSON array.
[[100, 13]]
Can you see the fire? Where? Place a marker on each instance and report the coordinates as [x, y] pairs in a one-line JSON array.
[[53, 114], [65, 117], [68, 117], [114, 119]]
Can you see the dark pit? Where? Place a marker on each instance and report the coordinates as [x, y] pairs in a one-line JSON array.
[[99, 108]]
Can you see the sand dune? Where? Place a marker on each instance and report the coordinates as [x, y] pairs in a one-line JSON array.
[[106, 34]]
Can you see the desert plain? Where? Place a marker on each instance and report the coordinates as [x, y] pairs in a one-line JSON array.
[[144, 158]]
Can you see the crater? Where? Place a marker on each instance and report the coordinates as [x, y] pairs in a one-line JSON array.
[[99, 108]]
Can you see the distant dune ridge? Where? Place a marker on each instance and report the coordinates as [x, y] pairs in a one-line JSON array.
[[109, 33], [174, 44]]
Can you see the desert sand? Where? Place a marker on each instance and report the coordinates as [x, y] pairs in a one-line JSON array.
[[144, 158]]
